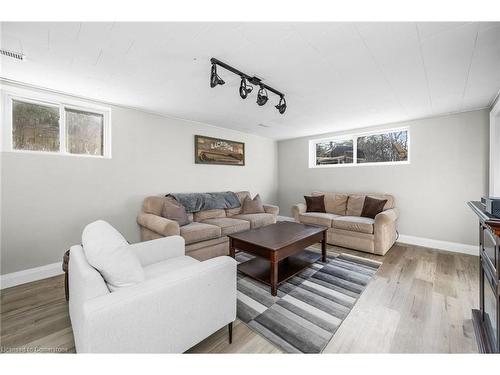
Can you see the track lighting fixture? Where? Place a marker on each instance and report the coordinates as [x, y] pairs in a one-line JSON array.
[[245, 87], [214, 78], [281, 107], [262, 96]]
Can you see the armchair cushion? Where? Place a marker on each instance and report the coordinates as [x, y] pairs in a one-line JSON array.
[[107, 251], [158, 250], [163, 268]]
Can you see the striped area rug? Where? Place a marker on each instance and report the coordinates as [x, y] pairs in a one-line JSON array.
[[309, 307]]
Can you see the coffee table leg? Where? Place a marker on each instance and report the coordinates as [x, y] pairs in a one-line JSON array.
[[323, 248], [274, 278], [231, 248]]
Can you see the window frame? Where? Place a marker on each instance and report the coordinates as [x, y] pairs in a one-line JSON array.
[[61, 103], [354, 137]]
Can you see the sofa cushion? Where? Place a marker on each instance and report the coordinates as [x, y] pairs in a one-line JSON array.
[[195, 232], [315, 203], [238, 210], [257, 220], [354, 224], [372, 207], [108, 252], [175, 211], [355, 204], [162, 268], [253, 206], [209, 214], [335, 203], [390, 199], [229, 225], [317, 218]]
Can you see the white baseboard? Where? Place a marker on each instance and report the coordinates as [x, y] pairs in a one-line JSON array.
[[29, 275], [438, 244]]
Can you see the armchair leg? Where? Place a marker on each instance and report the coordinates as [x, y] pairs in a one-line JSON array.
[[230, 327]]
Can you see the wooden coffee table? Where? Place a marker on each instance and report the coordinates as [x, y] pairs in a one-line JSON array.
[[279, 249]]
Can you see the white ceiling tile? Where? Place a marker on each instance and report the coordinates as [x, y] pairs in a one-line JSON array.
[[447, 58]]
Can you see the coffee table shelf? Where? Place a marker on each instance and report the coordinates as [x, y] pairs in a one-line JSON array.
[[260, 268]]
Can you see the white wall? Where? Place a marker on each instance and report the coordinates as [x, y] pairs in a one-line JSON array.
[[448, 167], [46, 200], [494, 178]]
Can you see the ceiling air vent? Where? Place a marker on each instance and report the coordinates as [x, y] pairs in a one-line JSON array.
[[14, 55]]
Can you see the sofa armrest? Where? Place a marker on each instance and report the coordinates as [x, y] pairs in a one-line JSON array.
[[271, 209], [158, 224], [387, 216], [158, 250], [385, 230], [298, 209], [167, 314]]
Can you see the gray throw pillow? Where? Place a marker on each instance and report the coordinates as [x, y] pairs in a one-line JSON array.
[[173, 210], [253, 206]]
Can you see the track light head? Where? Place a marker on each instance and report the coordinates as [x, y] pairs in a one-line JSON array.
[[244, 89], [262, 96], [214, 78], [281, 107]]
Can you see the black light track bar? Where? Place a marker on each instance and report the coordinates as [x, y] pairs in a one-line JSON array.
[[252, 79]]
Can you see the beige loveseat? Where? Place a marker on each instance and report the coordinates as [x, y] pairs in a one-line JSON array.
[[206, 235], [346, 228]]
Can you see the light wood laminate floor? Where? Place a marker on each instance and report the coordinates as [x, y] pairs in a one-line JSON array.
[[420, 301]]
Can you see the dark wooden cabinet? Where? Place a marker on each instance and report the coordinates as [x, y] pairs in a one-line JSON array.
[[486, 319]]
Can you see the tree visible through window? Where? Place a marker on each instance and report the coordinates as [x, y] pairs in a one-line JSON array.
[[384, 147], [334, 152], [84, 132], [35, 127]]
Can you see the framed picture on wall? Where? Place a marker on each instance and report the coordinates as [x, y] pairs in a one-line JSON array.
[[208, 150]]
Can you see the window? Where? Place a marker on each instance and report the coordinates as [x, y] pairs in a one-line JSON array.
[[35, 127], [84, 132], [383, 147], [44, 125], [335, 152]]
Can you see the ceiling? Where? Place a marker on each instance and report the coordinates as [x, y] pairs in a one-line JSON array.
[[336, 76]]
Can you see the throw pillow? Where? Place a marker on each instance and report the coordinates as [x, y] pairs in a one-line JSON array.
[[109, 253], [372, 207], [173, 210], [253, 206], [315, 203]]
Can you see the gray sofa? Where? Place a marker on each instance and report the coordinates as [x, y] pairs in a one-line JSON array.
[[346, 228], [206, 236]]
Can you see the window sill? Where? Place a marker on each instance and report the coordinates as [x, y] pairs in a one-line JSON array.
[[52, 153], [347, 165]]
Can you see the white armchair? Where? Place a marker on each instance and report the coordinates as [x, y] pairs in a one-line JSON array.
[[181, 302]]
